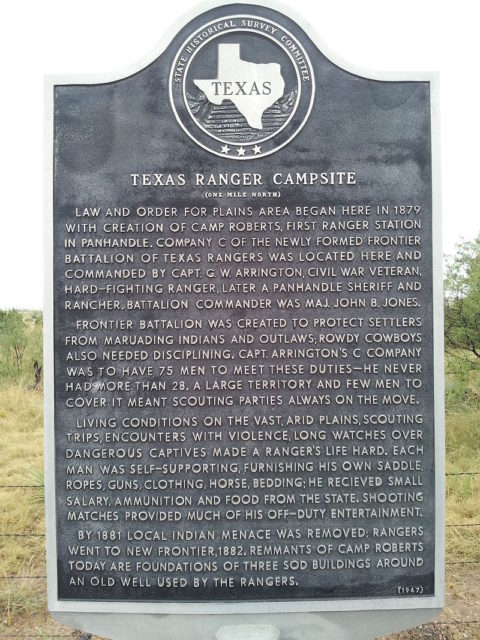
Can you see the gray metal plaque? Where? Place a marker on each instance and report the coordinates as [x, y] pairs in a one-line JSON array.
[[242, 403]]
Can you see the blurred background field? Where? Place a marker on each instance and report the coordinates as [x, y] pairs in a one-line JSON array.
[[22, 561]]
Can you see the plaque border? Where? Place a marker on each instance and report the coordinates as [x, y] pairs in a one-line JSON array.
[[277, 606]]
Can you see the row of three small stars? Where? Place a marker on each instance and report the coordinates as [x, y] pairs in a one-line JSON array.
[[241, 150]]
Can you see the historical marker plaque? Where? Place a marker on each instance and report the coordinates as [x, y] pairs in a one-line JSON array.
[[243, 392]]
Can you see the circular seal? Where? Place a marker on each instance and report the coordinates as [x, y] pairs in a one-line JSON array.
[[241, 86]]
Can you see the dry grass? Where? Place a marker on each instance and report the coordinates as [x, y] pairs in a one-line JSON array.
[[21, 510], [463, 456], [463, 440]]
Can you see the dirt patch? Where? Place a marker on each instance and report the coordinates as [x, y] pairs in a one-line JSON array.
[[460, 619], [43, 627]]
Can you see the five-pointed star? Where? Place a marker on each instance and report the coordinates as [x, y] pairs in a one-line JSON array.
[[256, 149], [241, 151], [225, 148]]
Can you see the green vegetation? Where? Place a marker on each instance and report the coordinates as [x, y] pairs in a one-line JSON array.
[[462, 299], [462, 400], [21, 336]]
